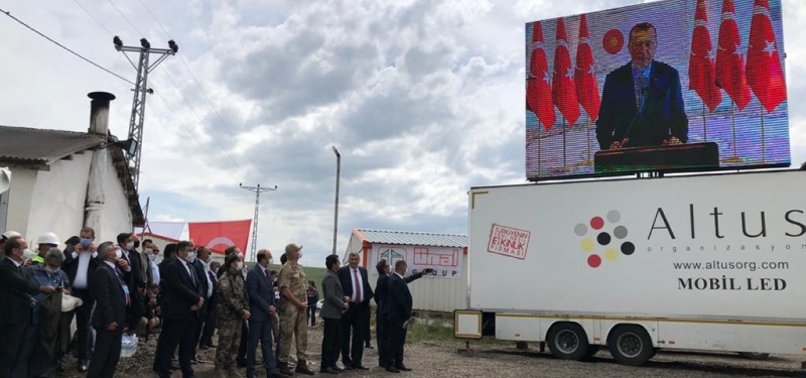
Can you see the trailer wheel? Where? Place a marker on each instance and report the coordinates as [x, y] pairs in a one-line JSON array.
[[568, 341], [630, 345]]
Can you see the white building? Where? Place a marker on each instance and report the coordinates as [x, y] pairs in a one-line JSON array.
[[444, 291], [64, 180]]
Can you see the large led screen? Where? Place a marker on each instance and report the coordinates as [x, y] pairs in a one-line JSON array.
[[675, 85]]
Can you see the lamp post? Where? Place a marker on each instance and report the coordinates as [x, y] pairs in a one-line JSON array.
[[336, 211]]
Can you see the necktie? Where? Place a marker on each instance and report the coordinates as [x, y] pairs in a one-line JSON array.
[[122, 281], [357, 287], [192, 274]]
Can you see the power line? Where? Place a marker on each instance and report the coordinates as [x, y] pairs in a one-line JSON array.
[[7, 13], [93, 17], [155, 19], [125, 18]]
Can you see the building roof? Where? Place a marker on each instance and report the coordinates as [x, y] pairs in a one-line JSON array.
[[38, 148], [411, 238]]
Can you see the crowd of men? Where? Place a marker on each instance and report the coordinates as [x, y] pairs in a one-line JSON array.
[[113, 289]]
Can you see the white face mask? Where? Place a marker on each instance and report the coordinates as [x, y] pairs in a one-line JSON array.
[[239, 265], [152, 257], [191, 257], [118, 254], [148, 251], [129, 245]]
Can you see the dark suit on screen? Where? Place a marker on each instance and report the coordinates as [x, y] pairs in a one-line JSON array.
[[356, 318], [72, 266], [399, 309], [182, 290], [110, 299], [381, 311], [15, 301], [663, 112], [261, 296]]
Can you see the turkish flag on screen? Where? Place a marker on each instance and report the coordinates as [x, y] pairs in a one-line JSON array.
[[538, 85], [701, 71], [563, 91], [764, 72], [586, 85], [219, 235], [730, 70]]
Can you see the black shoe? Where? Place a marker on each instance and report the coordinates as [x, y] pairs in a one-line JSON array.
[[360, 367], [392, 369], [283, 368], [279, 373], [302, 368], [337, 368], [83, 366], [369, 346], [241, 363], [203, 347], [347, 366], [402, 367], [328, 370]]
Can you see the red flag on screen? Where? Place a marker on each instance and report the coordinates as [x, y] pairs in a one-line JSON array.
[[701, 71], [586, 85], [730, 70], [764, 72], [219, 235], [563, 91], [538, 85]]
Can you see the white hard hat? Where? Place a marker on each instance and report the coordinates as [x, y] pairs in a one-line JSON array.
[[48, 238], [11, 234]]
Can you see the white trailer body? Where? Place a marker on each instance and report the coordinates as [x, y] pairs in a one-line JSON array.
[[711, 262]]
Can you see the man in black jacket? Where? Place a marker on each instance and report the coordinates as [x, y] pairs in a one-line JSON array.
[[398, 315], [80, 266], [16, 299], [111, 296], [134, 279], [354, 281], [182, 300]]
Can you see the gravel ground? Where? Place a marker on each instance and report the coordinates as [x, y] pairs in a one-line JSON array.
[[449, 359]]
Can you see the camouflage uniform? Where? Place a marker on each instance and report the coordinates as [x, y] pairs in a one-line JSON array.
[[293, 321], [232, 301]]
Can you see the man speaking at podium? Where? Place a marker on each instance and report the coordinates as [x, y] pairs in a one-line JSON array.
[[642, 104]]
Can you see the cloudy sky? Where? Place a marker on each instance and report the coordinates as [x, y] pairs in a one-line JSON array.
[[424, 99]]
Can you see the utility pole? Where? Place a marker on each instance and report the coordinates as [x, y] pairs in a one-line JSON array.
[[143, 67], [336, 210], [257, 189]]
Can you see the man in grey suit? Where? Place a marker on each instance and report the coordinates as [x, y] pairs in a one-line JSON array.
[[261, 306], [332, 309]]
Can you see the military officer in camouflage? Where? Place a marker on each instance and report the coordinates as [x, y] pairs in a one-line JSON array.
[[293, 317], [232, 310]]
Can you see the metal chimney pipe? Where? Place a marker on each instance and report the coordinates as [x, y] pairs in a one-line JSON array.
[[99, 112]]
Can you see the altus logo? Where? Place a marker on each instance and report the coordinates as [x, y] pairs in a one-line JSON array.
[[602, 239]]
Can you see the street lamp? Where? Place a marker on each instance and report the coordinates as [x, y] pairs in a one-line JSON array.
[[336, 211]]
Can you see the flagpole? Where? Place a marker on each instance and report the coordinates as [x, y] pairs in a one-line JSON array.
[[704, 128], [763, 140], [735, 158], [588, 137], [539, 139], [562, 126]]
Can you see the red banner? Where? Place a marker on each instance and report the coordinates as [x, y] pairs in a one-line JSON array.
[[219, 235]]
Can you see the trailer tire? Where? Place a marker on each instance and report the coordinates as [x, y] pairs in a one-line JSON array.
[[630, 345], [568, 341]]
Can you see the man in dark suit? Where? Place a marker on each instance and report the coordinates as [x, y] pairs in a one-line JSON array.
[[332, 309], [382, 308], [642, 103], [134, 279], [80, 266], [356, 286], [111, 297], [208, 318], [398, 315], [16, 298], [180, 308], [206, 290], [261, 306]]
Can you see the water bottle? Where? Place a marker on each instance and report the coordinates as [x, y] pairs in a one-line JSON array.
[[128, 346]]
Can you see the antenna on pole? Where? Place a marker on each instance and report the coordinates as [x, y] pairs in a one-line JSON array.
[[257, 189], [141, 88]]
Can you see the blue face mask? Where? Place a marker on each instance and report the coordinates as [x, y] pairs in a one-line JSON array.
[[86, 242]]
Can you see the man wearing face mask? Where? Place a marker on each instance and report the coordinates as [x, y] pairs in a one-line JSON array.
[[79, 266], [134, 279], [112, 295], [16, 296], [205, 288], [183, 297], [206, 340], [232, 309], [293, 318]]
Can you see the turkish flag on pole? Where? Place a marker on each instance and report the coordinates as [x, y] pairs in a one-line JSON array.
[[563, 91], [701, 71], [538, 85], [730, 70], [586, 85], [764, 72], [219, 235]]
